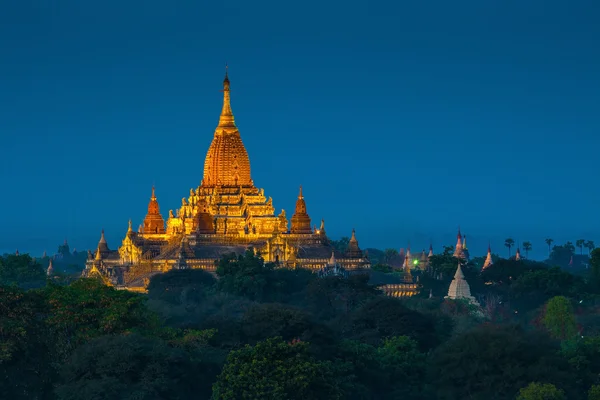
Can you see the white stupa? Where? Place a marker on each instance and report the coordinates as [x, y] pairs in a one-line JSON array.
[[459, 287]]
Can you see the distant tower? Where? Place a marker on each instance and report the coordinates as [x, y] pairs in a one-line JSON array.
[[407, 275], [571, 262], [50, 270], [458, 250], [300, 219], [102, 249], [488, 260], [353, 250], [321, 230], [518, 254], [154, 222], [430, 250]]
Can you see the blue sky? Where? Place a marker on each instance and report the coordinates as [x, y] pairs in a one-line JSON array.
[[400, 119]]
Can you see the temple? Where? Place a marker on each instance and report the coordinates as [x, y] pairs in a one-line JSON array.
[[225, 214]]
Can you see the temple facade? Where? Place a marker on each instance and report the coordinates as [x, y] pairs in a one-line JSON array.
[[225, 214]]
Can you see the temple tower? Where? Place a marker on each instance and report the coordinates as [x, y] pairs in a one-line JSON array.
[[227, 162], [407, 278], [488, 260], [154, 222], [300, 219], [353, 250], [458, 250], [50, 270]]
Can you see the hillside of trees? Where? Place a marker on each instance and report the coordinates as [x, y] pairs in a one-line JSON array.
[[259, 332]]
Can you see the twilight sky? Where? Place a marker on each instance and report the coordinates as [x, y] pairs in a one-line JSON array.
[[401, 119]]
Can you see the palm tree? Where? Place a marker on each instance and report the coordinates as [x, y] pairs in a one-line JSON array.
[[569, 246], [590, 246], [580, 243], [526, 247], [509, 242], [549, 243]]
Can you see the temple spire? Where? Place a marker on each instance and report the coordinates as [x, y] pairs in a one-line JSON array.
[[226, 120], [488, 260], [458, 250]]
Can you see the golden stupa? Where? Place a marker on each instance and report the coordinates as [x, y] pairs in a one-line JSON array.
[[225, 214]]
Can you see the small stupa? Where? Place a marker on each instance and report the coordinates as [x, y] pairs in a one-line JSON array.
[[459, 287]]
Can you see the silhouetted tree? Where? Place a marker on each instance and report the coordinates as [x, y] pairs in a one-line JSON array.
[[527, 247], [580, 243], [509, 242], [549, 242], [590, 246]]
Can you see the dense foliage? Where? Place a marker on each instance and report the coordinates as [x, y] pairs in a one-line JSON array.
[[259, 332]]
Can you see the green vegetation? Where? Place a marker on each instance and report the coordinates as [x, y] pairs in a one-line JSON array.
[[254, 331]]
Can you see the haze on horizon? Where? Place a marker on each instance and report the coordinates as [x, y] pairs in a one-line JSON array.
[[403, 121]]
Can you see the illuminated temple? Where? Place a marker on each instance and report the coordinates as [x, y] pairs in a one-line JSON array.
[[226, 214]]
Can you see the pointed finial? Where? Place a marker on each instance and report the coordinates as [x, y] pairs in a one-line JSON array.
[[226, 119], [153, 197], [353, 234], [102, 239], [300, 196], [129, 229], [489, 247]]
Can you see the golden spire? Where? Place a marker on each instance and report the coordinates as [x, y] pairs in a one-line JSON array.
[[226, 120], [153, 197], [129, 229], [300, 195]]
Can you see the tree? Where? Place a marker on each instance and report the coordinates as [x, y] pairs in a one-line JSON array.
[[595, 266], [21, 270], [275, 369], [495, 361], [559, 318], [87, 309], [509, 242], [527, 247], [580, 243], [590, 246], [404, 367], [181, 286], [263, 321], [561, 255], [25, 363], [384, 317], [541, 391], [244, 275], [549, 242], [389, 255], [570, 247], [594, 393], [134, 367]]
